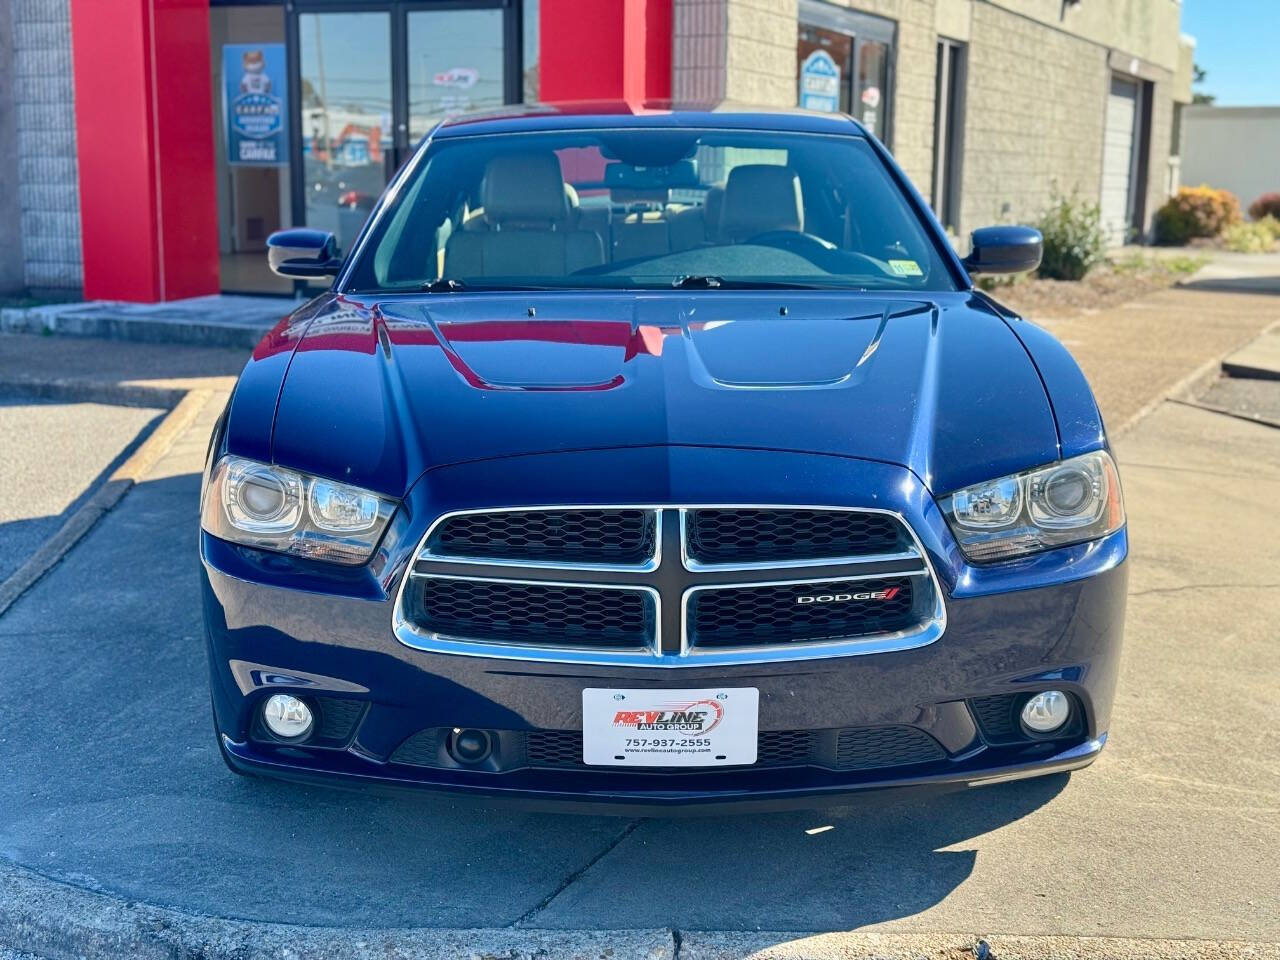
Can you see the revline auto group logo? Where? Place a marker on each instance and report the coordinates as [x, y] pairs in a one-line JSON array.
[[699, 716]]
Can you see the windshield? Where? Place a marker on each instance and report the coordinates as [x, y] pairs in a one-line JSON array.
[[649, 209]]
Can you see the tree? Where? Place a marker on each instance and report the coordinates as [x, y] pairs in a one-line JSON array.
[[1198, 74]]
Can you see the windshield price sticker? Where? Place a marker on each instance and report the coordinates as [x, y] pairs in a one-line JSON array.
[[670, 728]]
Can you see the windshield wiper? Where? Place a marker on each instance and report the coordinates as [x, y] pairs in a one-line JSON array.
[[443, 286], [709, 282], [694, 281]]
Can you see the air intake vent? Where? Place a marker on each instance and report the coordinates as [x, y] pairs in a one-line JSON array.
[[740, 616], [534, 613], [622, 537], [760, 535]]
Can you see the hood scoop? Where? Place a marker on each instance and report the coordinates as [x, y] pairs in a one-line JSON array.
[[539, 354], [776, 353]]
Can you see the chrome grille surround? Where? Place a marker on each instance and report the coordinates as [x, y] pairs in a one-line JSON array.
[[676, 584]]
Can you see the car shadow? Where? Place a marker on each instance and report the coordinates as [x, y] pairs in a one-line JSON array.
[[1263, 285]]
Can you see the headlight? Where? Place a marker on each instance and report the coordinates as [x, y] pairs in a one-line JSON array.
[[273, 508], [1067, 502]]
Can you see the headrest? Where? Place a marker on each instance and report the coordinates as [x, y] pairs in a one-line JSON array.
[[712, 211], [524, 188], [760, 197]]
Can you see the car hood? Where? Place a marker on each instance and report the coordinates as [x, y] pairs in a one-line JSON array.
[[380, 390]]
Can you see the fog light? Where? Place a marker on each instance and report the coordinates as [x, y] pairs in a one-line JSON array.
[[287, 717], [1046, 711], [471, 746]]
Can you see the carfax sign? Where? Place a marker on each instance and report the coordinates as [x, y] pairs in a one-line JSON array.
[[255, 104], [820, 82]]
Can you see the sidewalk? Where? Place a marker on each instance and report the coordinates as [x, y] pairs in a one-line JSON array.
[[221, 320]]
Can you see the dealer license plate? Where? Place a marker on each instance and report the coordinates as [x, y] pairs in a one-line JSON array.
[[715, 727]]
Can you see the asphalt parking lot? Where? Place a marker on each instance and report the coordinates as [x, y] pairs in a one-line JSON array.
[[51, 457], [111, 781], [119, 817]]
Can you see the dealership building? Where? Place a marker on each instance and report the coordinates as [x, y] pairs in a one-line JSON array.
[[149, 147]]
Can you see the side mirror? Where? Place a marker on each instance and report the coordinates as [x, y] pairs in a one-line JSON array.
[[1004, 250], [303, 253]]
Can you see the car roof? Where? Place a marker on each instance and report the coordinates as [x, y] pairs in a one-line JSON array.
[[610, 114]]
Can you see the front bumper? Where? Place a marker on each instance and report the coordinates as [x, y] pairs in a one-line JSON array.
[[277, 624]]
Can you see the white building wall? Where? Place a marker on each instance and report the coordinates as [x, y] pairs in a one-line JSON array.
[[1232, 148]]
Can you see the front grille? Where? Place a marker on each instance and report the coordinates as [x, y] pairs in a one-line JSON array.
[[848, 749], [739, 616], [641, 585], [625, 537], [756, 535], [534, 613], [867, 748]]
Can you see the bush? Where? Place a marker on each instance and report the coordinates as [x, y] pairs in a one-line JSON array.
[[1249, 238], [1270, 224], [1267, 205], [1196, 212], [1073, 238]]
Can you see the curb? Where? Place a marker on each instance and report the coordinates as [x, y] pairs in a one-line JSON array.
[[86, 391], [81, 320], [104, 498], [45, 918], [1185, 390], [60, 922]]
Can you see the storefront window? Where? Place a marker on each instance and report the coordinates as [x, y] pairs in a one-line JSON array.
[[456, 65], [316, 146], [844, 63], [345, 63]]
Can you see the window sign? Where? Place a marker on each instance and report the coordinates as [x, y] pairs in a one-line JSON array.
[[254, 104], [820, 82]]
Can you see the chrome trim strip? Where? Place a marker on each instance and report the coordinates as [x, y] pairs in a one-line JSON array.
[[445, 643], [646, 566], [927, 633], [698, 566], [844, 646]]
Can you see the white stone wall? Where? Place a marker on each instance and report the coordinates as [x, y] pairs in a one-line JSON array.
[[48, 191]]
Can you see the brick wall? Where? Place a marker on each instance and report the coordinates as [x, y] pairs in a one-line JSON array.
[[761, 52], [699, 48], [1034, 116], [48, 195]]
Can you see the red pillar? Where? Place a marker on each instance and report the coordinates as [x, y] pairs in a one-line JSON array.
[[144, 141], [604, 50]]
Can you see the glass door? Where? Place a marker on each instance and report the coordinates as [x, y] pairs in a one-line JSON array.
[[845, 61], [456, 63], [345, 115]]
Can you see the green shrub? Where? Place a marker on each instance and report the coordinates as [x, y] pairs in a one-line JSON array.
[[1073, 238], [1248, 238], [1196, 212], [1271, 224], [1267, 205]]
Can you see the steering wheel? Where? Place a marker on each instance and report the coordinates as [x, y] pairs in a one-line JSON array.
[[806, 245]]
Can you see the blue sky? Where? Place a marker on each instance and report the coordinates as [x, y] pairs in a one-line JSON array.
[[1236, 46]]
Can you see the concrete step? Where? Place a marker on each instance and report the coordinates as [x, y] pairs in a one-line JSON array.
[[222, 320], [1260, 360]]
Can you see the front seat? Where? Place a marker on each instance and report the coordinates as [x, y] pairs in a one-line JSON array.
[[759, 198], [529, 233]]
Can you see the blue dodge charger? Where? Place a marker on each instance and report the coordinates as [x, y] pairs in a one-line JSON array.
[[656, 458]]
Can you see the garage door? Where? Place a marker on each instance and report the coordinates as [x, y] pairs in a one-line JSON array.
[[1119, 159]]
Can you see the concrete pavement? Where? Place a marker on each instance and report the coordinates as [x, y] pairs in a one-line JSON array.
[[1170, 844], [51, 457]]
